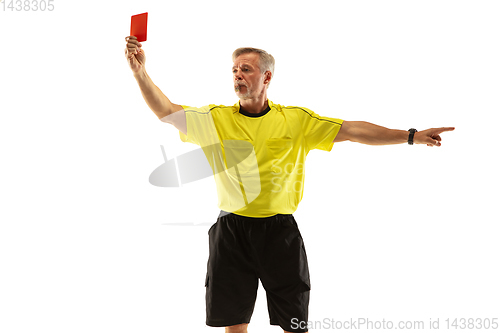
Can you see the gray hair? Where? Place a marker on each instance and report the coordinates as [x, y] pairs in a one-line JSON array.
[[266, 62]]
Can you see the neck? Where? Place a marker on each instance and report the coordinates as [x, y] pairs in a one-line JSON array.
[[255, 105]]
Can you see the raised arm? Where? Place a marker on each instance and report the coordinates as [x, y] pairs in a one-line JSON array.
[[371, 134], [154, 97]]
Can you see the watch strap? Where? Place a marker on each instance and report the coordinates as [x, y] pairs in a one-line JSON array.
[[411, 135]]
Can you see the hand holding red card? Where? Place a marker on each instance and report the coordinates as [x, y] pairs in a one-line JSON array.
[[139, 26], [138, 33]]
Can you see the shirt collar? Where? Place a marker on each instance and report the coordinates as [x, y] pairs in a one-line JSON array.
[[237, 106]]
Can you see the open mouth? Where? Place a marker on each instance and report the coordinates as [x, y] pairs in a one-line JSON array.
[[239, 84]]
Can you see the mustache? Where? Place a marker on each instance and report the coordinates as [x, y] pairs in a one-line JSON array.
[[240, 82]]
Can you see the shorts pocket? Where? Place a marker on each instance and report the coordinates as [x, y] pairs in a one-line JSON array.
[[213, 225], [305, 278], [306, 285]]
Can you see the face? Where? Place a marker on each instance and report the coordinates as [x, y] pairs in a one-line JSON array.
[[249, 82]]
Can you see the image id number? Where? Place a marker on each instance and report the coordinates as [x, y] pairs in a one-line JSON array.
[[472, 323], [28, 5]]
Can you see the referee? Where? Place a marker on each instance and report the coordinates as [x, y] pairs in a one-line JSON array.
[[257, 151]]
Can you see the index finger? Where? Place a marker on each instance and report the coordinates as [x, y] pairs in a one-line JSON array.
[[130, 37], [445, 129]]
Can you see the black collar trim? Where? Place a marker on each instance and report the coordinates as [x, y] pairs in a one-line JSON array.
[[254, 115]]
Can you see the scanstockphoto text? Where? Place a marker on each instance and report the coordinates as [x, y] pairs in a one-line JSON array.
[[27, 5], [280, 184], [471, 324]]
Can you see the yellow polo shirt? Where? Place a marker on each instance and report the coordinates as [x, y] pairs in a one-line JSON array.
[[258, 159]]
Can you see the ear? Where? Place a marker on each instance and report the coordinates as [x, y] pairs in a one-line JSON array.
[[267, 77]]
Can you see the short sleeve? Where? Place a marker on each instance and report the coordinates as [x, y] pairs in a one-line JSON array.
[[319, 132], [200, 126]]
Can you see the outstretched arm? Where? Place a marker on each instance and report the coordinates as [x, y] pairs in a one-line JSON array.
[[154, 97], [371, 134]]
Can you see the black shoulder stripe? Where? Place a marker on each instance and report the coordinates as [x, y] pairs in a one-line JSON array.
[[202, 112], [199, 111], [310, 115]]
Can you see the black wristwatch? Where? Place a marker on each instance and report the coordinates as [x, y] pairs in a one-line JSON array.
[[410, 136]]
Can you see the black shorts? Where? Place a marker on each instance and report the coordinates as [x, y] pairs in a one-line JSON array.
[[245, 249]]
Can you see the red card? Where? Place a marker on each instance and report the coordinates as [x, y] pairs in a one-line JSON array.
[[139, 26]]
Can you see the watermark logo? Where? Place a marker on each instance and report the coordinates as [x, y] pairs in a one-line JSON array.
[[235, 170], [183, 169]]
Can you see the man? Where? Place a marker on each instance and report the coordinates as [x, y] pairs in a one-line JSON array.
[[257, 151]]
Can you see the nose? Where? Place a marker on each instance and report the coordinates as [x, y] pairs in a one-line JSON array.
[[237, 74]]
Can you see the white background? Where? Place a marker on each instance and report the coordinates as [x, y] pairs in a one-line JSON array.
[[392, 232]]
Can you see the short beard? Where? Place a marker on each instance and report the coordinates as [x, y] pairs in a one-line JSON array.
[[247, 95]]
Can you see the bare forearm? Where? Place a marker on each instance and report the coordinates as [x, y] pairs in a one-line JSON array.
[[154, 97], [371, 134]]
